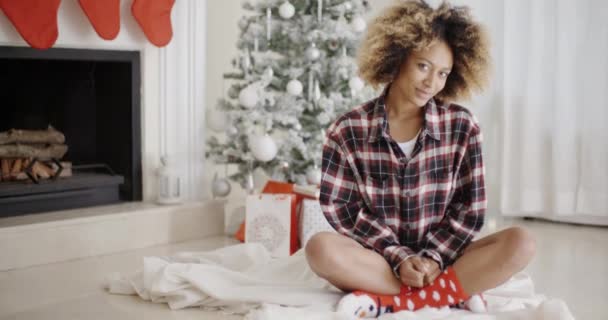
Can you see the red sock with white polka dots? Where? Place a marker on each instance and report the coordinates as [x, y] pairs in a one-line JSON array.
[[444, 291]]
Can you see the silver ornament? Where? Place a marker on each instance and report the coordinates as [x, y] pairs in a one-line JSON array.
[[294, 87], [263, 148], [317, 91], [312, 53], [232, 131], [249, 184], [313, 176], [246, 61], [269, 72], [220, 187], [284, 165], [248, 97], [286, 10]]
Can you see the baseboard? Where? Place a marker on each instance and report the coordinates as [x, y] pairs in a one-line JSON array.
[[60, 236], [583, 219]]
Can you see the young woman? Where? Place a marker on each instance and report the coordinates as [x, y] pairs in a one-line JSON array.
[[403, 176]]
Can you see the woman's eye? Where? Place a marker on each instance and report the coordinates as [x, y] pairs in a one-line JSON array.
[[423, 66], [443, 75]]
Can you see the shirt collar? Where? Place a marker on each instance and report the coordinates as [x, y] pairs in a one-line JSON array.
[[379, 121]]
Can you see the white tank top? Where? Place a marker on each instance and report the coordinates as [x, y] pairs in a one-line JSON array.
[[408, 146]]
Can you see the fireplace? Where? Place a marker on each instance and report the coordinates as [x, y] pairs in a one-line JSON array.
[[93, 98]]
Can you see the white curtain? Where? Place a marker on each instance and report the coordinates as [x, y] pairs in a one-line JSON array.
[[553, 148], [545, 117]]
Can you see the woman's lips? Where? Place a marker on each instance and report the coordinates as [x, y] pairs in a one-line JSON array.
[[423, 94]]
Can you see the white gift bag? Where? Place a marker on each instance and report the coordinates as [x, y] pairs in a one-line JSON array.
[[268, 221]]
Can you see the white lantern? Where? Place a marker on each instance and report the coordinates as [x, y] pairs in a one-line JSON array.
[[169, 182], [248, 97], [286, 10], [263, 147], [294, 87]]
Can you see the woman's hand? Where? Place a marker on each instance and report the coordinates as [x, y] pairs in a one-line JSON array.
[[418, 271], [410, 272], [432, 270]]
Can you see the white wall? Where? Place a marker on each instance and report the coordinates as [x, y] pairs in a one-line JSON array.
[[173, 83], [222, 34]]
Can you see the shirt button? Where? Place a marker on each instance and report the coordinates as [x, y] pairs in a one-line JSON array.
[[406, 193]]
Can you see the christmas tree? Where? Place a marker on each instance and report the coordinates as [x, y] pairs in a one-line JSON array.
[[295, 74]]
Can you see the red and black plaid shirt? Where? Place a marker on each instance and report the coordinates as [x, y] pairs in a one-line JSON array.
[[431, 205]]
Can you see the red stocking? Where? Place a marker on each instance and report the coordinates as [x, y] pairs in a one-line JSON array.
[[35, 20], [104, 16], [154, 18]]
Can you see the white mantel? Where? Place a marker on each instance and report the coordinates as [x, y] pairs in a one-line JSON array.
[[173, 84]]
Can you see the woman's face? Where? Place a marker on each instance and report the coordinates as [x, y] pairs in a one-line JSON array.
[[424, 73]]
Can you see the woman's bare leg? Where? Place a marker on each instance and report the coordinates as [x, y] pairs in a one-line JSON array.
[[485, 264], [349, 266], [492, 260]]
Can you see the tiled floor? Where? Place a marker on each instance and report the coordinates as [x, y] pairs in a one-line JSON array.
[[571, 264]]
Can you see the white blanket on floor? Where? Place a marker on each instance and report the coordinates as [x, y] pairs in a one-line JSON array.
[[244, 279]]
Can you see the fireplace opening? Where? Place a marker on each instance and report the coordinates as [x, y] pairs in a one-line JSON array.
[[92, 97]]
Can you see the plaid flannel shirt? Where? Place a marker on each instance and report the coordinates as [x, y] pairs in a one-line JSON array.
[[432, 205]]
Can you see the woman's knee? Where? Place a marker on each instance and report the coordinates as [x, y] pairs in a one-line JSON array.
[[321, 252], [520, 245]]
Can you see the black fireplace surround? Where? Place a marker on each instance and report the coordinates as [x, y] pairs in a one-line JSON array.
[[93, 97]]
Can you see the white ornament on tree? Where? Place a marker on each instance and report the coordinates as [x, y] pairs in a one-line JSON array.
[[312, 53], [248, 97], [295, 87], [355, 84], [246, 61], [263, 147], [267, 76], [232, 131], [317, 92], [286, 10], [269, 72], [268, 23], [358, 24], [313, 176]]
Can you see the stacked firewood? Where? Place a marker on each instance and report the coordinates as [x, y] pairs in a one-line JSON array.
[[15, 169], [36, 152]]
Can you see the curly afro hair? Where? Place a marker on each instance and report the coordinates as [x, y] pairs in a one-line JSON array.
[[412, 25]]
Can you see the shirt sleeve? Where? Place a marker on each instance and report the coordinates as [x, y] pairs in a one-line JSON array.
[[347, 213], [465, 214]]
